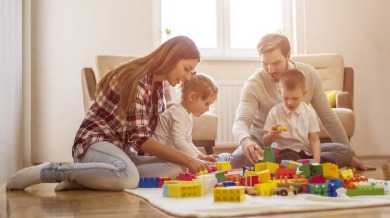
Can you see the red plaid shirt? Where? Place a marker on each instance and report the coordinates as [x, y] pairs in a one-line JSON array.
[[103, 122]]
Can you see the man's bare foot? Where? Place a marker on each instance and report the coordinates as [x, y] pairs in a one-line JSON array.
[[358, 164]]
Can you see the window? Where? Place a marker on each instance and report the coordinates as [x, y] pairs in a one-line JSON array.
[[227, 28]]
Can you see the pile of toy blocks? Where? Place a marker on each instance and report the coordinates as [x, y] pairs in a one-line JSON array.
[[267, 178]]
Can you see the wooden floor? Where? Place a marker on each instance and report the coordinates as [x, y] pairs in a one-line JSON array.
[[42, 201]]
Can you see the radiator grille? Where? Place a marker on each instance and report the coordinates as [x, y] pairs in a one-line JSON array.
[[225, 107]]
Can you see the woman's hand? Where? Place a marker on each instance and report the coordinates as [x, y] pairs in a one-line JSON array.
[[210, 158], [195, 166]]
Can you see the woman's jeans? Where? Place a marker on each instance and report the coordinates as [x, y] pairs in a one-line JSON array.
[[107, 167]]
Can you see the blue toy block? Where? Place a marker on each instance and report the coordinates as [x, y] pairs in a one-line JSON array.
[[228, 183], [151, 182], [332, 190], [337, 183]]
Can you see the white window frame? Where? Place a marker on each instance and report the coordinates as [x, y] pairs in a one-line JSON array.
[[223, 49]]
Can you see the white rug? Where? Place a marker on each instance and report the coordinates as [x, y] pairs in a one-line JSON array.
[[254, 205]]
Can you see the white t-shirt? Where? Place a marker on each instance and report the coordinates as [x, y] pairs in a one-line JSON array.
[[174, 128], [300, 123]]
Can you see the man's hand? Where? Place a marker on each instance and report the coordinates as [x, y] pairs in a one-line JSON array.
[[358, 164], [252, 150]]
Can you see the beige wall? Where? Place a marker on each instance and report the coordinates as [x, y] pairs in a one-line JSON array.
[[359, 30], [67, 34], [10, 87]]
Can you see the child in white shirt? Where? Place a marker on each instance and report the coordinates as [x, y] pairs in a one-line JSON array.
[[174, 126], [301, 140]]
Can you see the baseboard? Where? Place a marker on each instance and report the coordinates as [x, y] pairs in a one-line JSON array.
[[370, 157]]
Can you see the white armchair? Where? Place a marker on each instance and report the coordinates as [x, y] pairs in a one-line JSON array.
[[334, 76]]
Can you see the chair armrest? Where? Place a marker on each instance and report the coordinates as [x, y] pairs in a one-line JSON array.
[[88, 83], [347, 119], [205, 127], [349, 80], [344, 100]]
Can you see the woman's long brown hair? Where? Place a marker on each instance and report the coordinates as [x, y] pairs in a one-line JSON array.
[[161, 61]]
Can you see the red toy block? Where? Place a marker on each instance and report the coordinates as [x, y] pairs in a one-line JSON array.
[[162, 180], [184, 176], [281, 173], [319, 179], [251, 180]]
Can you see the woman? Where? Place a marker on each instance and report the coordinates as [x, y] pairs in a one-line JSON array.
[[109, 147]]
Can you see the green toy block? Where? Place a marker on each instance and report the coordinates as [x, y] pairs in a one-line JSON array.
[[304, 170], [220, 175], [319, 189], [315, 169], [269, 155], [365, 191]]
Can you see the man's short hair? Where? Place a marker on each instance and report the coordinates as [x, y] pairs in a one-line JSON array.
[[274, 41]]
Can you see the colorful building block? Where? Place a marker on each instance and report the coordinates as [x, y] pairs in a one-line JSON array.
[[269, 155], [264, 189], [162, 180], [207, 182], [182, 189], [229, 194], [284, 172], [265, 176], [184, 176], [220, 176], [223, 166], [272, 167], [151, 182], [330, 170], [365, 191]]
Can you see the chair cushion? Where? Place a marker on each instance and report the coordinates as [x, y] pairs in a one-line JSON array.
[[106, 63], [331, 95], [330, 67], [347, 118], [205, 127]]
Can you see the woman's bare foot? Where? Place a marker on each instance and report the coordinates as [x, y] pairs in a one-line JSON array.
[[66, 185], [25, 178]]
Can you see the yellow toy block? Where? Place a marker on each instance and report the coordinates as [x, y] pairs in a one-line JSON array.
[[330, 170], [229, 194], [272, 167], [250, 173], [265, 176], [265, 189], [182, 189], [292, 164], [282, 128], [346, 173], [224, 166], [260, 167], [204, 172]]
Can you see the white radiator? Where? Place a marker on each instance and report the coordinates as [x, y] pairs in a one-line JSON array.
[[225, 107]]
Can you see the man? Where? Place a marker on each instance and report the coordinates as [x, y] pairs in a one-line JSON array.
[[261, 92]]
